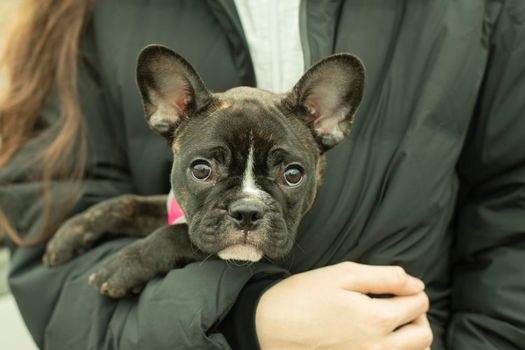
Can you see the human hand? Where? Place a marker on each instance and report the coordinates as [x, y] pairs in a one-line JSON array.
[[328, 308]]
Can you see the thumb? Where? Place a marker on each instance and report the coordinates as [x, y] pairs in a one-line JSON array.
[[369, 279]]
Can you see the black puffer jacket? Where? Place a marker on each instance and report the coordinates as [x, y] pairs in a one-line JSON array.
[[433, 177]]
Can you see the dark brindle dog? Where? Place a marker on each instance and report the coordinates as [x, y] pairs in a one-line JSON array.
[[247, 165]]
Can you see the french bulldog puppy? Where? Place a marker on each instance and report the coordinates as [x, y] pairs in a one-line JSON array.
[[247, 165]]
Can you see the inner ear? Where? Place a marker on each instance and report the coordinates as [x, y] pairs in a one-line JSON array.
[[327, 97], [171, 89]]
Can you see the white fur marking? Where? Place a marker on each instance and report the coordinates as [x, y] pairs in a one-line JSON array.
[[159, 117], [248, 182], [243, 252]]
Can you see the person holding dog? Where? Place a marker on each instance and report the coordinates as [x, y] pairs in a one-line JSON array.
[[431, 178]]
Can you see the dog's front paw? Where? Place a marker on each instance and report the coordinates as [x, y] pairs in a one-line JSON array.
[[73, 238], [123, 274]]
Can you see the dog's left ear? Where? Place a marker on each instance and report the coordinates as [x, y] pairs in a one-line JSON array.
[[171, 89], [327, 97]]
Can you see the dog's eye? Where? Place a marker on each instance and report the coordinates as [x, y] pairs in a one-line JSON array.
[[201, 170], [293, 175]]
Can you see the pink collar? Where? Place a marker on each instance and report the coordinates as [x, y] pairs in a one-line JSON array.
[[175, 213]]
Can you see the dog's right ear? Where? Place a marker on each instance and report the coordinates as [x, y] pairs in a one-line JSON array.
[[171, 89]]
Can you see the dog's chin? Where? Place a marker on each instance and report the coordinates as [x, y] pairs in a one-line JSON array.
[[241, 252]]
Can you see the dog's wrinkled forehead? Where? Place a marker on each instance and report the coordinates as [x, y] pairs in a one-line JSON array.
[[255, 121], [250, 108], [249, 120]]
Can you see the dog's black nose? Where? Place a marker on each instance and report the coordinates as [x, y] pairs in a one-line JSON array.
[[246, 213]]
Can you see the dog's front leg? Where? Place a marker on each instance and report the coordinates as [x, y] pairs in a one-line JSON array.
[[127, 215], [132, 267]]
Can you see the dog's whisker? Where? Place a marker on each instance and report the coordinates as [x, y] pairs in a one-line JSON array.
[[296, 244], [271, 260], [290, 258], [192, 246], [205, 259]]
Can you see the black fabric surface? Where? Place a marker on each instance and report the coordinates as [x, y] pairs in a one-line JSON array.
[[239, 325]]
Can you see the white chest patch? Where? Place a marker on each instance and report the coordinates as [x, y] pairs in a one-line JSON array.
[[244, 252]]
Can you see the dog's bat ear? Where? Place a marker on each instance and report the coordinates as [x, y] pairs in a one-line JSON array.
[[171, 89], [327, 96]]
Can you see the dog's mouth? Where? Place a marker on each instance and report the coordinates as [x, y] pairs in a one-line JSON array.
[[242, 246], [220, 236], [242, 252]]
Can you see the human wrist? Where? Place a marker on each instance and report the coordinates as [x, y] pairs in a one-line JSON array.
[[272, 332], [239, 325]]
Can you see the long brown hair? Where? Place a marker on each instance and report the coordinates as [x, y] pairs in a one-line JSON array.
[[41, 54]]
